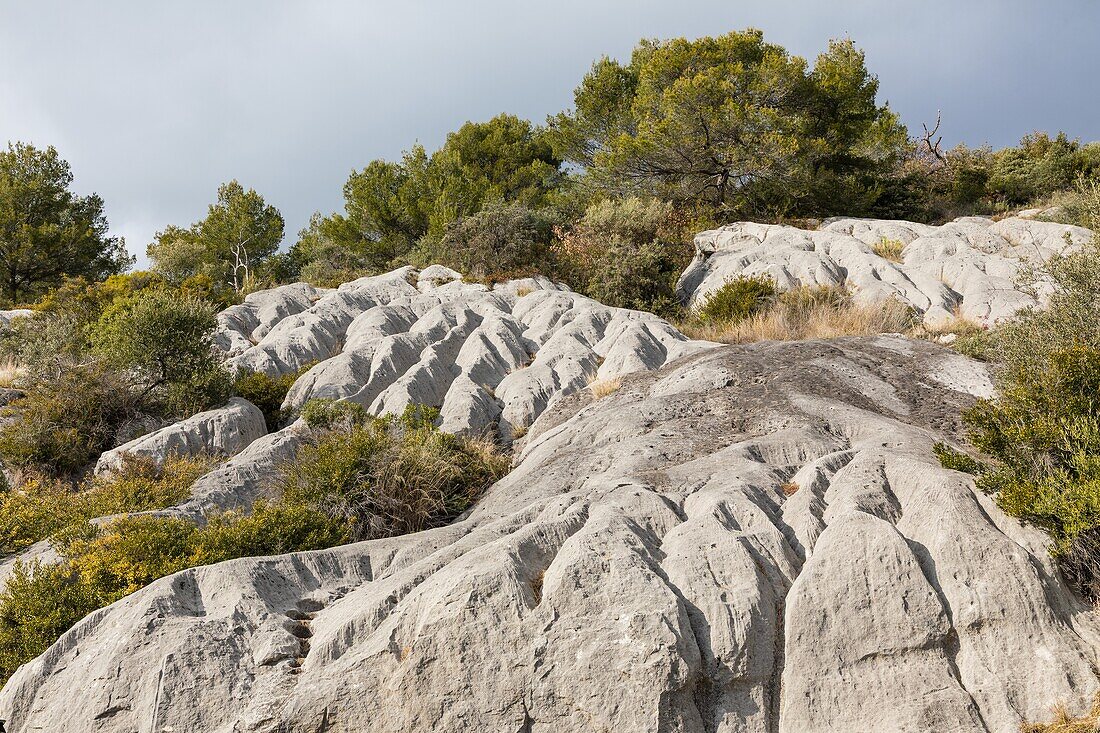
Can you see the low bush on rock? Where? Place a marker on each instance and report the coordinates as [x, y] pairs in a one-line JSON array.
[[889, 249], [359, 477], [43, 507], [736, 300], [1043, 426], [389, 475], [267, 392]]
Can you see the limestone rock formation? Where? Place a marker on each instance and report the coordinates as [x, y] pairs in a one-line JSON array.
[[222, 431], [491, 360], [967, 267], [752, 538]]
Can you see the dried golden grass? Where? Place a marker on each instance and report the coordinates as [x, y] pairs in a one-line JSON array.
[[810, 313], [10, 372], [603, 387], [957, 324], [889, 249], [1063, 722]]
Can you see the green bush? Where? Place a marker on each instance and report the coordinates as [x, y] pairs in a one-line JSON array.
[[268, 393], [161, 339], [386, 476], [43, 507], [65, 421], [626, 253], [499, 239], [1043, 427], [736, 300], [37, 605], [956, 460]]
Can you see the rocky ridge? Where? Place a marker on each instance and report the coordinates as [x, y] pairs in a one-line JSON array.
[[966, 268], [740, 538]]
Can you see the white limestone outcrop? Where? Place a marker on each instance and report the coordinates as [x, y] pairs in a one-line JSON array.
[[966, 268]]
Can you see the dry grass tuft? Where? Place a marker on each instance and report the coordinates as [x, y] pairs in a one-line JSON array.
[[603, 387], [957, 325], [889, 249], [520, 292], [536, 586], [790, 488], [810, 313], [10, 372], [1063, 722]]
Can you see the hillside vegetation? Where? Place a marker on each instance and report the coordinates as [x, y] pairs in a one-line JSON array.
[[606, 196]]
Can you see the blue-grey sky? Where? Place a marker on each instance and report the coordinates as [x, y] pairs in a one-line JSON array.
[[156, 103]]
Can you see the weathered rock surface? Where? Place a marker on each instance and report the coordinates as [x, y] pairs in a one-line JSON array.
[[222, 431], [967, 267], [754, 538], [491, 360]]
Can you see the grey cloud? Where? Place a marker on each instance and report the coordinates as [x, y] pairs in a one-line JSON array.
[[155, 104]]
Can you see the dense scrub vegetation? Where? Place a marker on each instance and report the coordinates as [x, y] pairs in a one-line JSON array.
[[103, 363], [358, 477], [1042, 430]]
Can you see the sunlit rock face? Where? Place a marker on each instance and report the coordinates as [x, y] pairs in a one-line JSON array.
[[968, 267], [751, 538]]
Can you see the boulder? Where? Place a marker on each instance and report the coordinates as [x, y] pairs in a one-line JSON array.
[[222, 431]]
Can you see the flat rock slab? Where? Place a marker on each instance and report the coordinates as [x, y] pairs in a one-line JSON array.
[[752, 538]]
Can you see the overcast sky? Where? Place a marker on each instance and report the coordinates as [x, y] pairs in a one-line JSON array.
[[156, 103]]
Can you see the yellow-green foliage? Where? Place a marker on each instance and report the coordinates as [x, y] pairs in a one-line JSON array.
[[359, 477], [889, 249], [386, 476], [39, 603], [43, 507]]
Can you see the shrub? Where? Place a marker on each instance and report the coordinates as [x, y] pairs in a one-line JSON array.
[[64, 422], [956, 460], [736, 300], [270, 529], [41, 602], [385, 476], [38, 604], [328, 414], [268, 393], [1043, 427], [889, 249], [625, 253], [162, 340], [1082, 205], [501, 238], [42, 507]]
